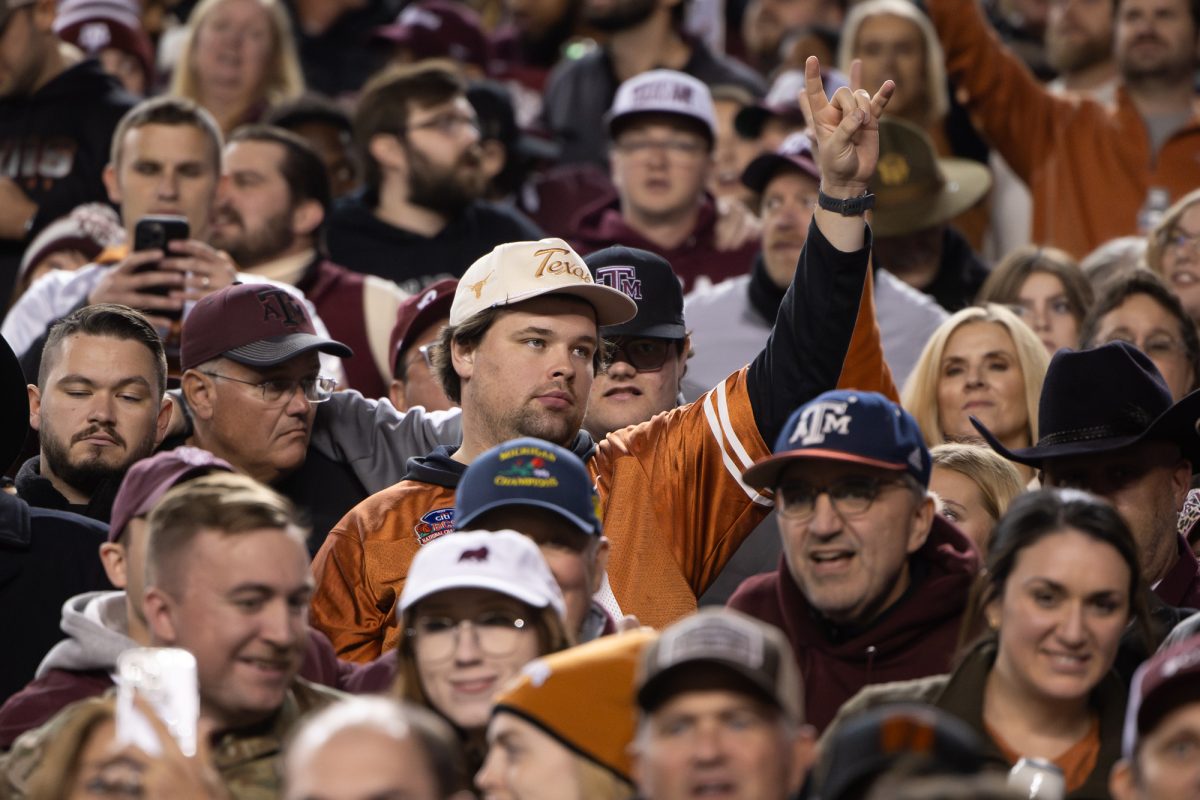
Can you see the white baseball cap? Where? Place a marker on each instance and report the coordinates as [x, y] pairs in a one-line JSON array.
[[519, 271], [504, 561], [664, 91]]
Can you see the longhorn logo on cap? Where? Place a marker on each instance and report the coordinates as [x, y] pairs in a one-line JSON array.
[[478, 554]]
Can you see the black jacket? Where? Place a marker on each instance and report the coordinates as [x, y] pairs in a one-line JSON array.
[[40, 493], [46, 557], [55, 144], [362, 242]]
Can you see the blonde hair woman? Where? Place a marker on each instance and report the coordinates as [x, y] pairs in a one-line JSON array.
[[238, 59], [975, 484], [982, 362], [1173, 251]]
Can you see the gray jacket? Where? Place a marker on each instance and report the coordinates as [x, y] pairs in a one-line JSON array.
[[97, 629], [375, 440]]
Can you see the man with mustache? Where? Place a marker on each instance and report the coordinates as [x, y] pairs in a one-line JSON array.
[[1079, 45], [226, 578], [165, 159], [419, 214], [1091, 167], [98, 406], [270, 217]]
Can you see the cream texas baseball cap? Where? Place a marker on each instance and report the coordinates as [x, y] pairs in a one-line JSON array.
[[519, 271]]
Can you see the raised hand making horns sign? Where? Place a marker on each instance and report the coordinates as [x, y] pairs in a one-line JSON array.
[[845, 129]]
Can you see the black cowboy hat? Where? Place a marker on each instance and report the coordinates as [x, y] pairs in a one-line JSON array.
[[1105, 399], [14, 400]]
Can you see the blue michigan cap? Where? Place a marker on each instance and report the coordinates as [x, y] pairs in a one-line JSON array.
[[847, 425], [528, 472]]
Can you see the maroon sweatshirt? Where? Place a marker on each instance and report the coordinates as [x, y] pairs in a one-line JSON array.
[[914, 638], [337, 294], [1180, 587]]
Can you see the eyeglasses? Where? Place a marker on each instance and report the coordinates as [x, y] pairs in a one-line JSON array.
[[1182, 240], [280, 390], [644, 353], [1161, 345], [850, 496], [677, 149], [496, 633], [423, 350], [447, 124]]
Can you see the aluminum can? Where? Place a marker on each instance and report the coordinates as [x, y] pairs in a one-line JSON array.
[[1037, 779]]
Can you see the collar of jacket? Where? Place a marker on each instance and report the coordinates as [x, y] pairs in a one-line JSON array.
[[963, 697]]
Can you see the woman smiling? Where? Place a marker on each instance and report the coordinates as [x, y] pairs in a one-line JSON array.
[[476, 607], [1061, 584]]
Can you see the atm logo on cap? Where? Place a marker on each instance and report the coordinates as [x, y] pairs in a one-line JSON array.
[[279, 306], [556, 261], [623, 279], [819, 420], [664, 92]]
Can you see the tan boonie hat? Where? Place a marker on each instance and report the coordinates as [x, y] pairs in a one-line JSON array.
[[731, 644], [914, 188], [519, 271]]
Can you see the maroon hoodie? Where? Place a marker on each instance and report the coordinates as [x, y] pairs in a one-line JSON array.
[[602, 225], [914, 638]]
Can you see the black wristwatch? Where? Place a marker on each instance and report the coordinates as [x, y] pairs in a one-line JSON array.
[[850, 207]]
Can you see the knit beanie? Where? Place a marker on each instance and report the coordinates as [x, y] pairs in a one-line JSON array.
[[88, 228], [584, 698], [93, 25]]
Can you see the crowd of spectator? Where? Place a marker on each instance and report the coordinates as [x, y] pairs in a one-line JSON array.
[[600, 399]]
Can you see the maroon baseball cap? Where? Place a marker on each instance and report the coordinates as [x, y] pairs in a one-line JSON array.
[[149, 479], [255, 324], [417, 313], [795, 154], [439, 29], [1168, 680]]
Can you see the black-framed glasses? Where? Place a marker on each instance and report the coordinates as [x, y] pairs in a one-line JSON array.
[[447, 124], [277, 391], [497, 634], [643, 353], [850, 496]]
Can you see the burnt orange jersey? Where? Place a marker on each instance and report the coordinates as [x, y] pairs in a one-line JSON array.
[[674, 508], [673, 505]]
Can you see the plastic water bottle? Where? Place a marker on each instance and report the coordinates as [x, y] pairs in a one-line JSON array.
[[1158, 200]]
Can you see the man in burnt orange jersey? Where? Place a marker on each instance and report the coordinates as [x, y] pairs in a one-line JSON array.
[[520, 354]]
